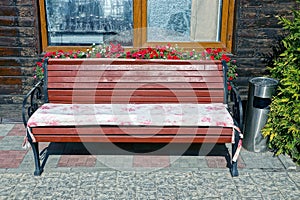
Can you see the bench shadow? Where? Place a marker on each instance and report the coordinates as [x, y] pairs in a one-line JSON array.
[[157, 149]]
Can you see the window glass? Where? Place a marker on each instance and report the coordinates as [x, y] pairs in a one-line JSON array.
[[83, 22], [184, 20]]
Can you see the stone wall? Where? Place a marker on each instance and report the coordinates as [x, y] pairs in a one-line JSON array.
[[18, 51], [256, 32]]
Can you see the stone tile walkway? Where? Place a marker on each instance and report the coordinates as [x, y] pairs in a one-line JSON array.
[[71, 173]]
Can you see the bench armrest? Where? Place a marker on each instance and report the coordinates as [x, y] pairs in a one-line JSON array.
[[35, 96], [237, 106]]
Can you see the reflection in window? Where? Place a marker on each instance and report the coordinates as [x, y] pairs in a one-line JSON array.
[[184, 20], [83, 22]]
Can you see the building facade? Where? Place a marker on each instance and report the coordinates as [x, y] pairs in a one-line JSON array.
[[255, 31]]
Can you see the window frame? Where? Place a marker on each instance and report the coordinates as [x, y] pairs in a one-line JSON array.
[[140, 30]]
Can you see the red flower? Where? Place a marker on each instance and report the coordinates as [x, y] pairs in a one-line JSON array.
[[98, 55], [229, 87], [169, 57], [49, 54], [217, 51], [128, 54], [226, 58], [39, 64], [209, 50]]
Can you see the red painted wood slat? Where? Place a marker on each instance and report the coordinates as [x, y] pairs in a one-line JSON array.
[[132, 99], [211, 86], [129, 139], [138, 92], [140, 131], [130, 73], [139, 79], [103, 61]]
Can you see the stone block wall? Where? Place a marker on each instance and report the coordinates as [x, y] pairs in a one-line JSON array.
[[256, 32], [18, 51]]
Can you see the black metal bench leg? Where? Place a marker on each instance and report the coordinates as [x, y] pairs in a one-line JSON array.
[[234, 165], [35, 148]]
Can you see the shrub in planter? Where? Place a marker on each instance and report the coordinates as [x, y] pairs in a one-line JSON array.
[[283, 125]]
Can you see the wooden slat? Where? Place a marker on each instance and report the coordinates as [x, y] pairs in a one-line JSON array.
[[119, 73], [103, 61], [137, 85], [126, 79], [128, 99], [130, 139], [133, 92], [133, 66], [145, 131]]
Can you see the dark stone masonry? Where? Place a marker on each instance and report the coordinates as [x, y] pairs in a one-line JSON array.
[[256, 32]]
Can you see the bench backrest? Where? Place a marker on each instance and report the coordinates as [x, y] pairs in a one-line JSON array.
[[134, 81]]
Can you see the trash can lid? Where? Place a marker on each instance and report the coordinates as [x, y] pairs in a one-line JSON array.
[[264, 81]]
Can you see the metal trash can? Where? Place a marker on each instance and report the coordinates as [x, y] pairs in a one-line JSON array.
[[261, 90]]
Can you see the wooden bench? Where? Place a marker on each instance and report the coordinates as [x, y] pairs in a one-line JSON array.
[[132, 101]]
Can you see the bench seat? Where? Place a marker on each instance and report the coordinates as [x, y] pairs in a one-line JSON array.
[[128, 122], [131, 114]]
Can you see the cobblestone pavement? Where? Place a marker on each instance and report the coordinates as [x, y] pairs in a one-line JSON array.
[[71, 174]]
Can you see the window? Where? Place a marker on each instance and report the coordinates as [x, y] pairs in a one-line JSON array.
[[71, 24]]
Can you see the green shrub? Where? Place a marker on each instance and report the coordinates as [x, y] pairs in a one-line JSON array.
[[283, 125]]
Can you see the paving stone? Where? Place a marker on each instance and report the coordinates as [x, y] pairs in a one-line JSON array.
[[221, 162], [107, 176], [287, 162], [166, 192], [290, 193], [27, 162], [147, 195], [12, 143], [264, 160], [43, 145], [277, 196], [11, 158], [249, 190], [113, 176], [5, 128], [188, 162], [151, 161], [282, 179], [216, 162], [229, 196], [77, 161], [51, 162], [17, 130], [268, 190], [117, 162], [111, 185], [295, 176]]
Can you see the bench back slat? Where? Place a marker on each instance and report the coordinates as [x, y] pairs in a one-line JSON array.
[[134, 81]]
